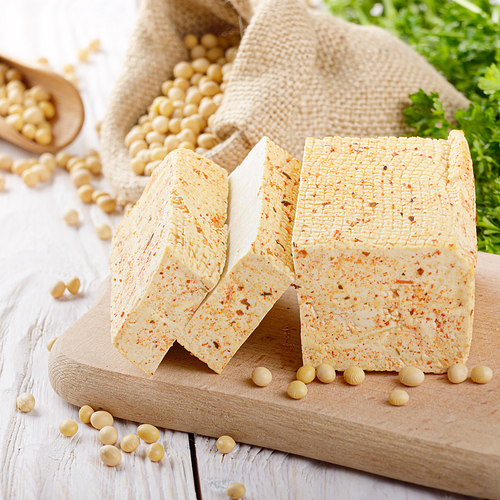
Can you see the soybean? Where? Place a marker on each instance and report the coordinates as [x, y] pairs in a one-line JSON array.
[[85, 193], [73, 285], [106, 203], [398, 397], [57, 289], [325, 373], [297, 389], [108, 435], [261, 376], [225, 444], [235, 491], [457, 373], [68, 427], [354, 375], [100, 419], [129, 443], [71, 217], [110, 455], [85, 413], [25, 402], [306, 374], [155, 452], [411, 376], [481, 374], [103, 231], [148, 433]]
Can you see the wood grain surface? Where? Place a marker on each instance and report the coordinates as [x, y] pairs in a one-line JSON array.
[[447, 436]]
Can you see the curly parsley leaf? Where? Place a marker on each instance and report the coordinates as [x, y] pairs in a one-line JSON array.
[[490, 82], [426, 116]]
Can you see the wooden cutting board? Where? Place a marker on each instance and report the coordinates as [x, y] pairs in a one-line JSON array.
[[447, 436]]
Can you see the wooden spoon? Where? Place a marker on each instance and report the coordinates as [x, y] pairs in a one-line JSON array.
[[69, 116]]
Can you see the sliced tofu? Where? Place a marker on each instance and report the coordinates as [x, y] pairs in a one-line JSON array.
[[167, 253], [259, 268], [384, 248]]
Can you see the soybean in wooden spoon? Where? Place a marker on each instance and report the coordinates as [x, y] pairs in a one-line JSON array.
[[68, 120]]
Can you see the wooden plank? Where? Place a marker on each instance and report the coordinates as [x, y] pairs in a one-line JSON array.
[[447, 437], [37, 247]]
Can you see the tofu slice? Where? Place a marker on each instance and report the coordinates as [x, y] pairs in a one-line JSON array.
[[384, 248], [259, 268], [167, 253]]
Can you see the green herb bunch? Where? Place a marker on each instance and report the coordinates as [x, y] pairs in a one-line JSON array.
[[462, 40]]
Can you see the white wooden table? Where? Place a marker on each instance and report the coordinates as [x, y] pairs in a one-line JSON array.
[[37, 248]]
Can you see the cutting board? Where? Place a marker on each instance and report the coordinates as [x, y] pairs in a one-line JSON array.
[[447, 436]]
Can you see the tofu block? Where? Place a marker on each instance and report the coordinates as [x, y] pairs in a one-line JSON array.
[[384, 248], [167, 253], [259, 268]]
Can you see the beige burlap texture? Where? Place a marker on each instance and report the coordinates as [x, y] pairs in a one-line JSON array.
[[298, 73]]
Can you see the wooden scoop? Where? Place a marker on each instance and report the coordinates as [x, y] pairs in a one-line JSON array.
[[69, 116]]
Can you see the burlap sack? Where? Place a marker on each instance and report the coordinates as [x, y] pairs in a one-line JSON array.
[[298, 73]]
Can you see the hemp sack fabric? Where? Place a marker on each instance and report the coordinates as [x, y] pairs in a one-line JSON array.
[[298, 73]]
